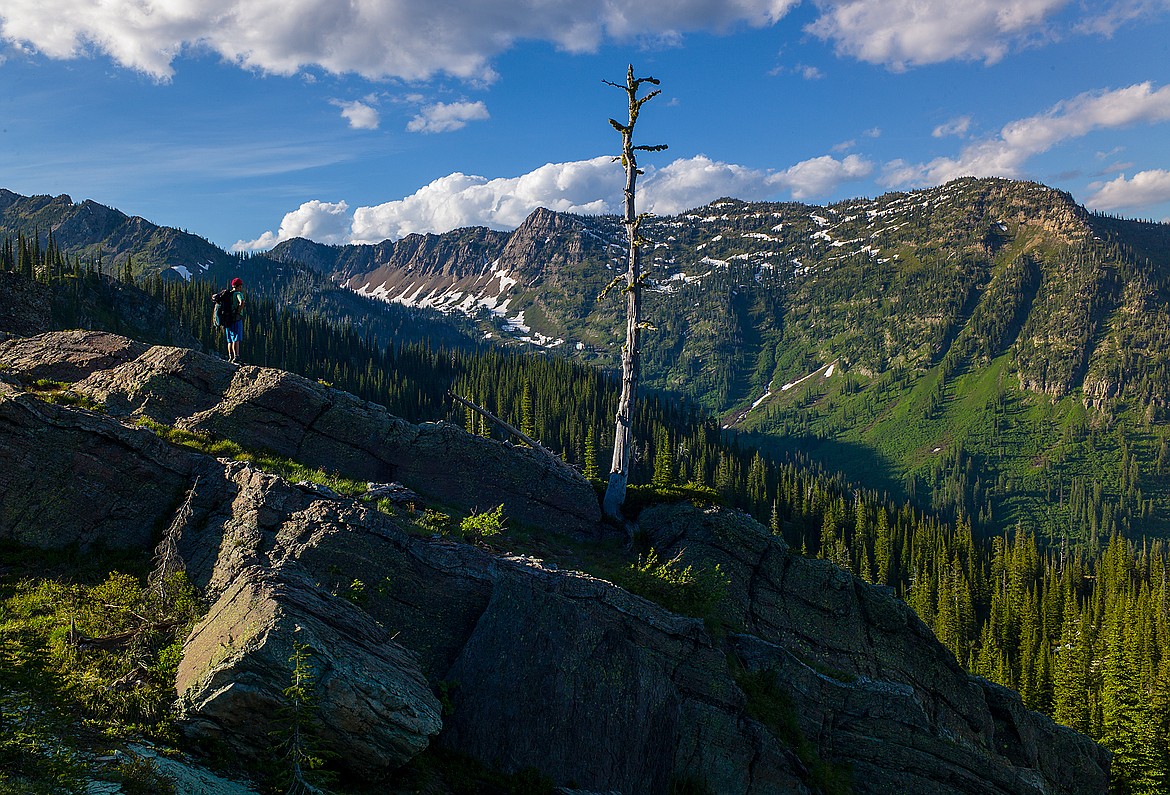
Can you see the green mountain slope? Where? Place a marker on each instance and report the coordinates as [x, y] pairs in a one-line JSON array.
[[987, 347]]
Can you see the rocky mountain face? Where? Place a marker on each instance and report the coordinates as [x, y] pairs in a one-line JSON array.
[[91, 229], [988, 320], [773, 290], [513, 660], [964, 347]]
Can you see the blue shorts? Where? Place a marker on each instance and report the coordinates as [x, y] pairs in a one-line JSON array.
[[235, 331]]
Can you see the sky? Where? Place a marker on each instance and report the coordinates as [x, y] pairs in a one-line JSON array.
[[253, 121]]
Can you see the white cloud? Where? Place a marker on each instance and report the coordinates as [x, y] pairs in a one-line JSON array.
[[447, 117], [957, 127], [359, 115], [1018, 141], [459, 200], [1146, 189], [903, 33], [818, 177], [409, 39], [585, 187], [692, 182], [906, 33], [315, 220], [1106, 18]]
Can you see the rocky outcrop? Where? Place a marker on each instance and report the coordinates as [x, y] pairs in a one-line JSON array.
[[69, 478], [374, 710], [880, 692], [66, 356], [270, 410], [414, 639]]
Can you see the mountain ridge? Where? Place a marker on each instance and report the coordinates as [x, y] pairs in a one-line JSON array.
[[988, 320]]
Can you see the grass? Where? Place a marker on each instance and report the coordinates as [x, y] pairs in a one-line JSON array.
[[1026, 448], [269, 462], [687, 590], [84, 668], [61, 393]]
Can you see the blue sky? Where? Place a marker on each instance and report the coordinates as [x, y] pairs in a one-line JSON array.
[[250, 121]]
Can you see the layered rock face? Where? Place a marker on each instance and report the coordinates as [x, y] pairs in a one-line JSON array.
[[268, 410], [537, 666]]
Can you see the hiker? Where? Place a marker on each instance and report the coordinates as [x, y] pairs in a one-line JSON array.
[[229, 313]]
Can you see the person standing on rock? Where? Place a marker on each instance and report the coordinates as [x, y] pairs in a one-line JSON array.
[[232, 317]]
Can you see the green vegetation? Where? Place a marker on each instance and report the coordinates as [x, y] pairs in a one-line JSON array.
[[84, 666], [286, 468], [482, 526], [61, 393], [433, 521], [300, 762], [689, 590]]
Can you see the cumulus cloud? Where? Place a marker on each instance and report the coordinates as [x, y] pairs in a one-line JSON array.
[[585, 187], [901, 34], [359, 115], [447, 117], [1147, 188], [316, 220], [691, 182], [904, 33], [1006, 154], [459, 200], [820, 176], [409, 39]]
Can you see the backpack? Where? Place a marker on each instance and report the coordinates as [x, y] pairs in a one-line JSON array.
[[223, 312]]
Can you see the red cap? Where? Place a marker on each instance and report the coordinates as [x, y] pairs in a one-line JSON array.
[[237, 282]]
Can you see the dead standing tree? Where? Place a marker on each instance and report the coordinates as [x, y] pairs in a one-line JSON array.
[[623, 443]]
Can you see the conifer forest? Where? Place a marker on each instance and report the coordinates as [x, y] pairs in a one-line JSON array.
[[1078, 624]]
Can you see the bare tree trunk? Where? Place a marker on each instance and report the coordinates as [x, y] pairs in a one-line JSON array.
[[623, 442]]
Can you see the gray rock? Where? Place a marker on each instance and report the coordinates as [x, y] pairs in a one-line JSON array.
[[266, 409], [66, 355], [189, 777], [374, 709], [395, 492], [72, 478], [873, 687]]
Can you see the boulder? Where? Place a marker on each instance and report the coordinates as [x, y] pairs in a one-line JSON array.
[[271, 410], [165, 384], [67, 356], [542, 668], [72, 478], [373, 710]]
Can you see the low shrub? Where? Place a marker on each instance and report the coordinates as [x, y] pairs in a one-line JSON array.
[[687, 590], [483, 525]]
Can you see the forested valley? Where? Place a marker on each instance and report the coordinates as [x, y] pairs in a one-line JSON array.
[[1079, 626]]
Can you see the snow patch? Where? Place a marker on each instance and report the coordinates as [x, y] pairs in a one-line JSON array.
[[827, 370]]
